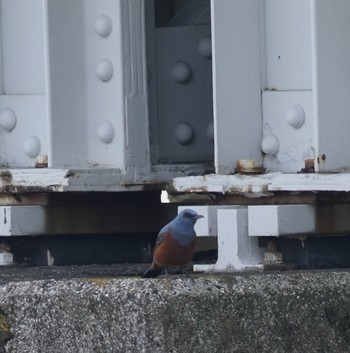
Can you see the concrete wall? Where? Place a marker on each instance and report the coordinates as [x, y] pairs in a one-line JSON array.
[[298, 312]]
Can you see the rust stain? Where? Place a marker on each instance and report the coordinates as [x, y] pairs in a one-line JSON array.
[[250, 189], [199, 189], [309, 166], [249, 167]]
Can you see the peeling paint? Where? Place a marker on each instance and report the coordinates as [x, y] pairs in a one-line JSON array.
[[263, 184]]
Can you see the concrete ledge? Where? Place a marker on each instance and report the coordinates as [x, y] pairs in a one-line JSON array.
[[284, 312]]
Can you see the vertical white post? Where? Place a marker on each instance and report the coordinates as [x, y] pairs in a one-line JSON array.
[[66, 82], [236, 82], [237, 251], [331, 83], [85, 80]]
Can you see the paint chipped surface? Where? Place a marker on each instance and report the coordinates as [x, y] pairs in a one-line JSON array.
[[30, 180], [44, 180], [262, 184]]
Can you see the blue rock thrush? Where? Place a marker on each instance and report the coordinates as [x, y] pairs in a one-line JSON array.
[[175, 243]]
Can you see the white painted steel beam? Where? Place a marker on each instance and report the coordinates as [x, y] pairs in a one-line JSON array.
[[6, 258], [284, 220], [23, 63], [331, 83], [238, 228], [22, 220], [281, 220], [48, 179], [23, 120], [288, 117], [264, 184], [96, 81], [236, 82], [288, 46], [80, 219], [236, 250]]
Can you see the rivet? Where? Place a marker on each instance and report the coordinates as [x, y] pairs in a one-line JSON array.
[[204, 47], [184, 133], [181, 72], [104, 70], [106, 132], [103, 26], [32, 146], [210, 132], [8, 119], [270, 145], [296, 116]]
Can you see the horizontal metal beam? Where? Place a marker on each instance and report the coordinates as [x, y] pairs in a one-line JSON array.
[[281, 220], [284, 220], [262, 184], [84, 219]]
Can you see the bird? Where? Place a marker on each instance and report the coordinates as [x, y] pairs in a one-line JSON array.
[[175, 244]]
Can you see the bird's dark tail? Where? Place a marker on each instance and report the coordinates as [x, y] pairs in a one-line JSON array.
[[152, 272]]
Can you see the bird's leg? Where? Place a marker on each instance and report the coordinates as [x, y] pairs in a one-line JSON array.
[[166, 272]]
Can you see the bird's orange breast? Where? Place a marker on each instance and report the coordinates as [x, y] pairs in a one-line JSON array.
[[169, 252]]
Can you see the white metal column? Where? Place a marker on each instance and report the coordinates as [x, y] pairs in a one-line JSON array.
[[236, 82], [331, 84]]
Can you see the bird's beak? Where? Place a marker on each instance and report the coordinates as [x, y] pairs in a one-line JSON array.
[[199, 216]]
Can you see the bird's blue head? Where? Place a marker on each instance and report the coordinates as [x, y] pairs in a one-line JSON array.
[[189, 216], [183, 226]]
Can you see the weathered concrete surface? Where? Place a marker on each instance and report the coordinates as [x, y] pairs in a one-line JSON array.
[[283, 312]]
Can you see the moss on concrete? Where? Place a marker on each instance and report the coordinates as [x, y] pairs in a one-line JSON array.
[[100, 281], [4, 324], [5, 331]]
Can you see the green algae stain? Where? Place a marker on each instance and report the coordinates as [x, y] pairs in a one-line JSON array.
[[100, 281], [5, 331], [4, 324]]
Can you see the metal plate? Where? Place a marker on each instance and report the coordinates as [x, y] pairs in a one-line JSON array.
[[185, 109]]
